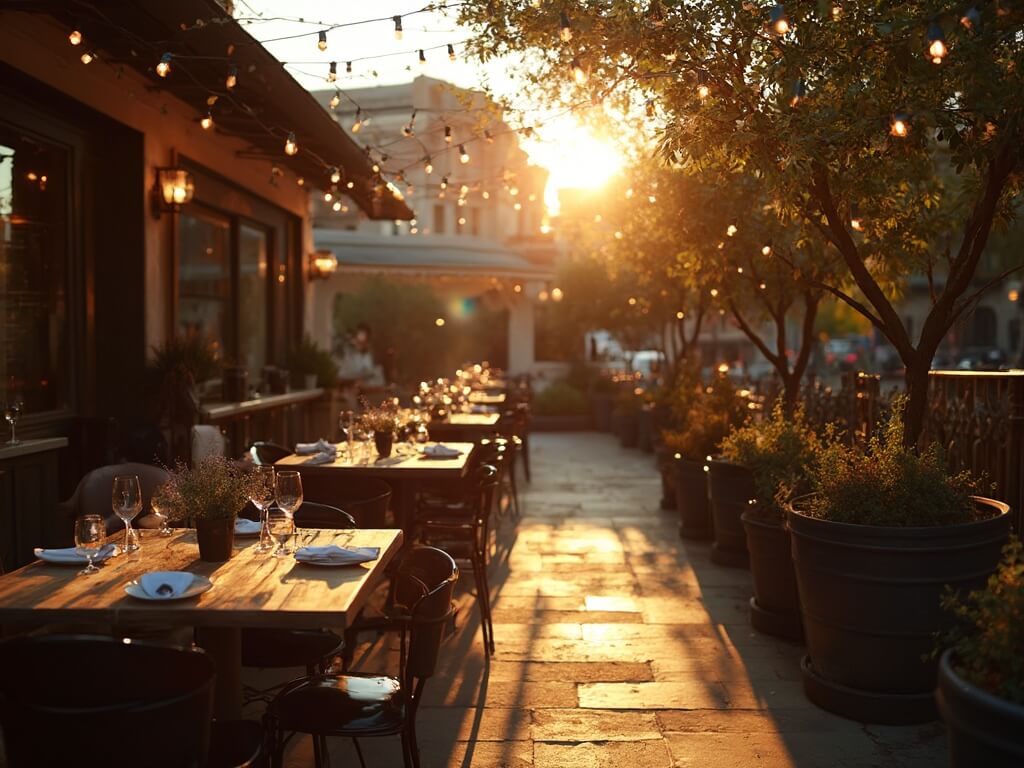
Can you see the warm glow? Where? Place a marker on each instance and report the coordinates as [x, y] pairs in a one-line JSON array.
[[937, 51], [75, 37], [899, 128]]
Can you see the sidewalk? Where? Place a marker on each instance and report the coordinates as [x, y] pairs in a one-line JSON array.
[[618, 644]]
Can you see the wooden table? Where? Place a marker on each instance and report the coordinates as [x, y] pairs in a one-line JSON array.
[[405, 474], [249, 590], [468, 427]]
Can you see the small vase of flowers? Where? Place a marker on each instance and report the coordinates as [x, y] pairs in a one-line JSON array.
[[382, 422]]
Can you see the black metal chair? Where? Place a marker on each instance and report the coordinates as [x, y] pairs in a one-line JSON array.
[[463, 530], [267, 453], [269, 648], [60, 696], [355, 706], [365, 498]]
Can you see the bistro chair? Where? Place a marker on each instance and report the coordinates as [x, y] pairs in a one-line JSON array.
[[313, 649], [366, 499], [92, 496], [86, 700], [374, 705], [267, 453], [463, 530]]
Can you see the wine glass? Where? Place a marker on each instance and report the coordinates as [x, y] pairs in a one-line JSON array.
[[90, 532], [12, 412], [262, 496], [281, 526], [126, 500], [161, 504], [288, 491]]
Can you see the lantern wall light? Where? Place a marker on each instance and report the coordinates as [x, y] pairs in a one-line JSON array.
[[322, 264], [174, 188]]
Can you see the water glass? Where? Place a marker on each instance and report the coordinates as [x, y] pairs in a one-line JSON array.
[[162, 505], [281, 527], [12, 412], [262, 496], [126, 501], [90, 531]]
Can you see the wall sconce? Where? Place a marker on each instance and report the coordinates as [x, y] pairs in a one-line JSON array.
[[322, 264], [174, 188]]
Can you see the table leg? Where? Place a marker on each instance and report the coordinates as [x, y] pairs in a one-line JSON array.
[[224, 644]]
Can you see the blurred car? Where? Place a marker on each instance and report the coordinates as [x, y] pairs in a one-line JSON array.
[[845, 352], [982, 360]]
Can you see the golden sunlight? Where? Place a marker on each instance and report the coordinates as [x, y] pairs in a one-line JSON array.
[[574, 156]]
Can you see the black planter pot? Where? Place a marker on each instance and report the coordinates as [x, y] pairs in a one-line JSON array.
[[775, 606], [732, 488], [234, 383], [216, 539], [668, 478], [626, 425], [984, 730], [383, 441], [692, 499], [645, 430], [601, 406], [869, 596]]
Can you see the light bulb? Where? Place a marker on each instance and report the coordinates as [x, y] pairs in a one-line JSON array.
[[300, 181], [164, 67], [87, 57], [335, 175], [451, 52], [290, 147], [900, 126], [337, 205], [349, 184], [232, 79], [799, 91], [348, 67], [398, 27], [428, 167], [579, 74], [207, 122], [463, 155], [358, 122], [335, 101], [376, 167], [75, 37], [779, 20], [328, 197], [856, 222], [714, 292], [936, 43], [444, 182], [332, 72], [731, 230], [487, 136], [703, 89], [680, 315], [766, 249], [564, 28], [423, 58], [321, 42], [970, 19], [556, 294], [448, 134]]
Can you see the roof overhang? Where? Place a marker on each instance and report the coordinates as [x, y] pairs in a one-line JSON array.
[[262, 109]]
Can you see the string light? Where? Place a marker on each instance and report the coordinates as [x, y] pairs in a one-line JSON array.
[[856, 222], [410, 128], [463, 155], [900, 125], [448, 134], [680, 315], [423, 58], [488, 137], [579, 74], [163, 68], [337, 205], [88, 57], [300, 181], [398, 27], [321, 42], [451, 52], [335, 101], [444, 182], [75, 37], [428, 167], [290, 147], [357, 124], [731, 230], [332, 72], [778, 19], [936, 43], [564, 28], [328, 196], [485, 195], [207, 121], [348, 67], [971, 18], [766, 249], [556, 294], [232, 79], [703, 89], [799, 91], [335, 175], [714, 292]]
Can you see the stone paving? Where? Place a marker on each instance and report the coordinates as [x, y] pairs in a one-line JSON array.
[[618, 644]]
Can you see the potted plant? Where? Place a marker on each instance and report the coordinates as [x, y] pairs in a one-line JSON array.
[[883, 531], [174, 373], [311, 366], [980, 691], [382, 422], [778, 452], [626, 416], [211, 494]]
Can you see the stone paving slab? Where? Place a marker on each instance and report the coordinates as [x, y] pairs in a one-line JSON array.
[[618, 644]]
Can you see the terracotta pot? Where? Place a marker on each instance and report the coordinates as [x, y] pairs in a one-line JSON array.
[[384, 441], [216, 539]]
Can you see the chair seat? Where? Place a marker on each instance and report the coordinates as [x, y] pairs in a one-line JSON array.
[[456, 523], [342, 705], [460, 549], [275, 648]]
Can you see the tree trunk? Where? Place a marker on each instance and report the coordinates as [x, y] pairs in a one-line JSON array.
[[790, 392], [917, 399]]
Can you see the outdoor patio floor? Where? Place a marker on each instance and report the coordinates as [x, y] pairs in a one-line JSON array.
[[618, 644]]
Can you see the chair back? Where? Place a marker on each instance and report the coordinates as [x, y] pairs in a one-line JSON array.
[[424, 585], [87, 700], [267, 453], [314, 515], [92, 496], [486, 479], [365, 498]]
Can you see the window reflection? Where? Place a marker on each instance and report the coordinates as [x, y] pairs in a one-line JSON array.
[[204, 278], [252, 295]]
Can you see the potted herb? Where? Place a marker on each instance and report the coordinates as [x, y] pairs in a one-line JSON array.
[[883, 531], [382, 422], [211, 494], [174, 373], [778, 452], [980, 693], [311, 366]]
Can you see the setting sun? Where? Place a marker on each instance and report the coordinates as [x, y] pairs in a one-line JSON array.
[[575, 158]]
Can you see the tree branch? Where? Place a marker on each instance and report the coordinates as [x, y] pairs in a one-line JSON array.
[[974, 297], [758, 342]]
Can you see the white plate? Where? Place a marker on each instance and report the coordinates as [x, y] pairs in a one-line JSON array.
[[199, 585], [247, 534]]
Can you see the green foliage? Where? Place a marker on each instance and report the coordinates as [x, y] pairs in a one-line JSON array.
[[708, 414], [191, 354], [560, 398], [306, 358], [889, 484], [383, 418], [779, 452], [214, 489], [989, 635]]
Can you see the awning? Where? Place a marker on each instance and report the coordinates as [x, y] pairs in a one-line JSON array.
[[263, 107], [426, 256]]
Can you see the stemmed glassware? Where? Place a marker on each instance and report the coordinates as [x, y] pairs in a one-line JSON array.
[[90, 532], [161, 503], [12, 412], [126, 500], [262, 496], [288, 487]]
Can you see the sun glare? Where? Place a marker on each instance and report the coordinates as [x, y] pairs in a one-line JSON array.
[[575, 158]]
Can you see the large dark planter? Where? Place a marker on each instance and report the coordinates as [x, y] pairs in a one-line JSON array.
[[383, 442], [869, 597], [216, 539], [732, 488], [601, 406], [775, 606], [666, 468], [234, 383], [626, 426], [984, 730], [692, 499], [645, 430]]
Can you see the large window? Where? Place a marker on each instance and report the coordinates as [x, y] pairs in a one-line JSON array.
[[33, 270]]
